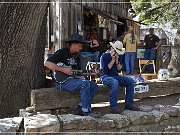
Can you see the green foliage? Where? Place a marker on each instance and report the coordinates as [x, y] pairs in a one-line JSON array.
[[158, 11]]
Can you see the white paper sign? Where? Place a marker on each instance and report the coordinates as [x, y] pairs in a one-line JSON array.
[[140, 88]]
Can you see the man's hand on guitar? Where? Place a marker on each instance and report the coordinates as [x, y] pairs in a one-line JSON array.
[[87, 73]]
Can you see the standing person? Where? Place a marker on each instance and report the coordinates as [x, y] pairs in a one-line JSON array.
[[69, 56], [152, 43], [94, 46], [109, 63], [130, 41]]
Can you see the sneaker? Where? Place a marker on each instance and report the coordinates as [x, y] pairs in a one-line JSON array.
[[115, 111], [131, 108]]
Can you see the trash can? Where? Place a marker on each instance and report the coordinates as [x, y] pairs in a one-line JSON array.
[[84, 58]]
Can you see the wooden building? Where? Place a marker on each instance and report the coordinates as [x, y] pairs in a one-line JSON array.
[[81, 16]]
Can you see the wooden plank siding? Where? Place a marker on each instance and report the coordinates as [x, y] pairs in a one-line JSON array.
[[73, 11]]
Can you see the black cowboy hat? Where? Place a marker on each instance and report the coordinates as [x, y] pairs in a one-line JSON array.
[[76, 38]]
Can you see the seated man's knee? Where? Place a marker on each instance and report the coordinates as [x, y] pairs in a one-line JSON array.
[[130, 81], [86, 83], [114, 83]]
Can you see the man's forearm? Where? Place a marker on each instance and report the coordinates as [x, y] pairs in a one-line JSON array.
[[53, 66], [111, 64]]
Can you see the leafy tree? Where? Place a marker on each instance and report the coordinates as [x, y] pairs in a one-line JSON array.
[[22, 43], [161, 12]]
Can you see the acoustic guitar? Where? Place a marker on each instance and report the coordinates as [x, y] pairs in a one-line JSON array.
[[62, 77]]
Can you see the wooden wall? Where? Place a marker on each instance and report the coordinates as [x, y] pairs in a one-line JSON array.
[[72, 10]]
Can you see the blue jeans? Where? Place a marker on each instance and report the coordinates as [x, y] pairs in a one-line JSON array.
[[129, 60], [150, 54], [87, 90], [96, 56], [113, 82]]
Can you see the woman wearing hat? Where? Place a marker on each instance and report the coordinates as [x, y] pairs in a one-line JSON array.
[[62, 62], [109, 63]]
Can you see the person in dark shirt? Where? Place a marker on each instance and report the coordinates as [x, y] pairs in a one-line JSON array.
[[63, 62], [109, 64], [152, 43], [95, 45]]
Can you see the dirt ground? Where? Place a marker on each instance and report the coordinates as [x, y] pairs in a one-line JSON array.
[[173, 100]]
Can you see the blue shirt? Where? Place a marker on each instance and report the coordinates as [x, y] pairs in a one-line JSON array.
[[104, 61]]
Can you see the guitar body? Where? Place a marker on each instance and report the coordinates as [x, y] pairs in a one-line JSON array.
[[62, 77]]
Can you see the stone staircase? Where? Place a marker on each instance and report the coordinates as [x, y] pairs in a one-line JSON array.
[[43, 117], [158, 119], [51, 98]]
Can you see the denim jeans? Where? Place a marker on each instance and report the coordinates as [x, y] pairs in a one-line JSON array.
[[87, 90], [150, 54], [113, 82], [129, 61], [96, 56]]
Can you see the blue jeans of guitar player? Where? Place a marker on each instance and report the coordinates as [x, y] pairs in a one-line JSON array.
[[113, 82], [87, 90]]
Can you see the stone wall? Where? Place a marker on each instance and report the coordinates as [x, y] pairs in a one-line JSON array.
[[32, 120], [50, 98], [161, 119]]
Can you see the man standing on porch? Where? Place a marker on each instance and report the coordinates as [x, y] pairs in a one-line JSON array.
[[152, 43]]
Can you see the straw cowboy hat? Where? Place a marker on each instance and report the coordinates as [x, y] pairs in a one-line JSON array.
[[118, 47]]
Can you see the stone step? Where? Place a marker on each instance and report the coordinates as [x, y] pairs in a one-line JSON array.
[[51, 98]]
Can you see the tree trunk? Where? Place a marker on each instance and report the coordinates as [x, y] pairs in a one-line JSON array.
[[22, 43], [174, 64]]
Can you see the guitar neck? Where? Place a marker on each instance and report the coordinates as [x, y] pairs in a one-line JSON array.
[[84, 72]]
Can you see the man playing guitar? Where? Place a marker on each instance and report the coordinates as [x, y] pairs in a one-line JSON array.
[[64, 62]]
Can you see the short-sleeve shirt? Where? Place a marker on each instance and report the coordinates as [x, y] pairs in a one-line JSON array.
[[130, 47], [151, 41], [64, 56]]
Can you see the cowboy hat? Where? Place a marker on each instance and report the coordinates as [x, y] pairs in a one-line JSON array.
[[76, 38], [118, 47]]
